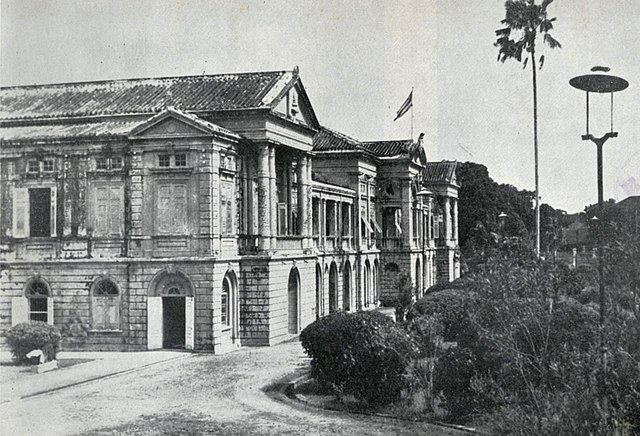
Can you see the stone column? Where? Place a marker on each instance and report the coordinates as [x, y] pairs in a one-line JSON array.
[[406, 223], [264, 198], [447, 220], [273, 196], [303, 210], [323, 223], [455, 220]]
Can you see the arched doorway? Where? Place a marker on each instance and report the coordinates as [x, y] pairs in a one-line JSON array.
[[376, 284], [292, 298], [229, 309], [346, 286], [319, 308], [333, 288], [367, 283], [170, 311]]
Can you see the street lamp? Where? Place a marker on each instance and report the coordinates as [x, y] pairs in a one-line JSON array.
[[600, 83]]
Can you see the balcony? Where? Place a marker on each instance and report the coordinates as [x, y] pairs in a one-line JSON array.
[[289, 243]]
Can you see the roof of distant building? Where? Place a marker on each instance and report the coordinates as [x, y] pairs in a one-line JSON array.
[[329, 140], [388, 148], [440, 172], [257, 90]]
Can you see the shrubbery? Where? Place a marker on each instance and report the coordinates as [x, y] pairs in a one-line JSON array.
[[34, 335], [364, 354]]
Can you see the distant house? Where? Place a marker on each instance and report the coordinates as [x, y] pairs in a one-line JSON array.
[[205, 212], [629, 213]]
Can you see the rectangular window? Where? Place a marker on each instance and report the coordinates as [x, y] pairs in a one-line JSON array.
[[226, 207], [180, 160], [101, 163], [38, 309], [116, 163], [164, 160], [33, 166], [105, 311], [47, 165], [171, 215], [108, 210], [224, 309]]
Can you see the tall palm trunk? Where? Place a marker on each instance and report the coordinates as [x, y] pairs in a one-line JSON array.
[[535, 146]]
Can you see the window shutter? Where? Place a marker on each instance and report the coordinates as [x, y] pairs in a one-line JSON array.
[[154, 323], [97, 312], [189, 323], [50, 310], [19, 310], [113, 313], [54, 197], [179, 210], [164, 209], [20, 213], [116, 210], [101, 206]]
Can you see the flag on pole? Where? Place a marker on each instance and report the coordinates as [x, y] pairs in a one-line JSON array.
[[408, 104]]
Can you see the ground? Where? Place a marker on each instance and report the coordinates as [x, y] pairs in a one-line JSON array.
[[197, 394]]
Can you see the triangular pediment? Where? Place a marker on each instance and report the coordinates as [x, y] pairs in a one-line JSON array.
[[173, 123], [294, 104]]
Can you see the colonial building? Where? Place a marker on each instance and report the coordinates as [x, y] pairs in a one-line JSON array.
[[205, 212]]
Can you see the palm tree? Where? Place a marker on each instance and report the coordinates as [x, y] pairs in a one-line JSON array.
[[524, 21]]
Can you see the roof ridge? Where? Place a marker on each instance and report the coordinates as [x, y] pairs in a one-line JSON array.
[[387, 140], [340, 134], [138, 79]]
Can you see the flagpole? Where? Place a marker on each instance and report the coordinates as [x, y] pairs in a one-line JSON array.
[[412, 114]]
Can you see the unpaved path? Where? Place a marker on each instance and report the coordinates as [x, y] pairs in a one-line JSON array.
[[202, 394]]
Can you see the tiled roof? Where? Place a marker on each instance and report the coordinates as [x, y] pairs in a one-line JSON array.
[[440, 172], [388, 148], [58, 131], [133, 96], [330, 140], [101, 128]]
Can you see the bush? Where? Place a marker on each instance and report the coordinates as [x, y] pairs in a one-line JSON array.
[[33, 335], [364, 354], [452, 308]]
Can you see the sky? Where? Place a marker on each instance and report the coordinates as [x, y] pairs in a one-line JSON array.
[[358, 62]]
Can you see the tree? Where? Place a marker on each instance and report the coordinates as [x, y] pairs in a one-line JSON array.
[[525, 21]]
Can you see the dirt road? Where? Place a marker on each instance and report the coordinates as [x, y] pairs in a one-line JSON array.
[[202, 394]]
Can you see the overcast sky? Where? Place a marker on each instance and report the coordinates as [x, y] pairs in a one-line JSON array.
[[359, 61]]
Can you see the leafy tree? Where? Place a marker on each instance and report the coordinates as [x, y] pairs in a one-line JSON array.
[[524, 21]]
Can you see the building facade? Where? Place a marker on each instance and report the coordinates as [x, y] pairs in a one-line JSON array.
[[205, 212]]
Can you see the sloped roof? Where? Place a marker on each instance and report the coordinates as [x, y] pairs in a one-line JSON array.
[[440, 172], [134, 96], [103, 129], [330, 140], [182, 115], [61, 131], [388, 148], [631, 202]]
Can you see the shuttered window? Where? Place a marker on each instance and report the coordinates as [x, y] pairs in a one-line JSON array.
[[108, 210], [34, 212], [171, 214], [226, 207], [105, 305]]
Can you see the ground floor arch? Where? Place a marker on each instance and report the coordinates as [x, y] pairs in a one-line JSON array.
[[293, 301], [346, 286], [170, 311], [333, 288]]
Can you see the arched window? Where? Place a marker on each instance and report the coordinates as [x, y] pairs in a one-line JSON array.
[[40, 305], [105, 304], [225, 304]]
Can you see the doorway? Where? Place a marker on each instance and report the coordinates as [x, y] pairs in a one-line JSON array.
[[173, 322]]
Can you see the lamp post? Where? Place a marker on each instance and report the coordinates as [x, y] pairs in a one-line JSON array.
[[600, 83]]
